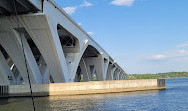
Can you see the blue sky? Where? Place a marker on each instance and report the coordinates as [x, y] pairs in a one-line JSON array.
[[143, 36]]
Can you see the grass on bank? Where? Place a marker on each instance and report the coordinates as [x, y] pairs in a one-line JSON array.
[[94, 78]]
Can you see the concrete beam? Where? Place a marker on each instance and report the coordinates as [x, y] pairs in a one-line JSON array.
[[7, 5], [24, 3]]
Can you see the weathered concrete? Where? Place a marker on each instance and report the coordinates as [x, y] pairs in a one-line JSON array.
[[94, 87]]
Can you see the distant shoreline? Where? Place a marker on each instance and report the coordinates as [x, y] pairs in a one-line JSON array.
[[167, 75]]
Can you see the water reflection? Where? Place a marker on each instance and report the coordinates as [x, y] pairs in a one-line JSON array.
[[77, 102], [174, 98]]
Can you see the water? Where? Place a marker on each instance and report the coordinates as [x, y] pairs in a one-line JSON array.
[[174, 98]]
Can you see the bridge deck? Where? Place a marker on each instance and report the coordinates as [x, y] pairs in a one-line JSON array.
[[22, 6]]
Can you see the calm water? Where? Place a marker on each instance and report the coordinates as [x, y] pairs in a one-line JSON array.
[[174, 98]]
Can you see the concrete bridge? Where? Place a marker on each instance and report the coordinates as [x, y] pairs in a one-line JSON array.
[[54, 47]]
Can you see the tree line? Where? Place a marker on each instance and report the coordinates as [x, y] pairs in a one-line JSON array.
[[158, 75]]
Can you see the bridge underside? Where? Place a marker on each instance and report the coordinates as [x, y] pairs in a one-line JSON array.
[[56, 49], [8, 7]]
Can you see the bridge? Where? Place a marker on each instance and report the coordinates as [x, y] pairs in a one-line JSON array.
[[38, 38]]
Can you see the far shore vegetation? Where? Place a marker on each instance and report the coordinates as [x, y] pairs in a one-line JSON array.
[[158, 75], [150, 76]]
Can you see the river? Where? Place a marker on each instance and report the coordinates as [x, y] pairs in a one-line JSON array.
[[174, 98]]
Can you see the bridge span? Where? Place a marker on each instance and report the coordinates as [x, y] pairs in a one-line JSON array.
[[54, 47]]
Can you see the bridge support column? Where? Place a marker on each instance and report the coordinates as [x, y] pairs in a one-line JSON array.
[[78, 75], [99, 67], [5, 71], [116, 74], [44, 71], [31, 62], [84, 69], [46, 76], [10, 39], [19, 80], [92, 71], [45, 35], [110, 72], [123, 77], [98, 63], [120, 76], [109, 75], [12, 46]]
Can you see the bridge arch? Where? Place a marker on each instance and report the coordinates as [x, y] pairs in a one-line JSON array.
[[70, 44], [61, 42], [39, 59], [8, 69], [87, 65]]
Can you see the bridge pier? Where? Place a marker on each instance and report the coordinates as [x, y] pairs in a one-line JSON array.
[[98, 65], [47, 40], [116, 74], [84, 69], [4, 71], [109, 72]]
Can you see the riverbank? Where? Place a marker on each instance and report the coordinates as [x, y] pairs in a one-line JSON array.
[[158, 75], [79, 88]]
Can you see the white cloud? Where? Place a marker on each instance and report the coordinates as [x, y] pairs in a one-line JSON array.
[[159, 57], [155, 57], [86, 4], [90, 33], [70, 10], [79, 23], [182, 51], [170, 55], [122, 2], [183, 45]]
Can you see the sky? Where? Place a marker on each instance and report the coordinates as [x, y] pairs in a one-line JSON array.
[[143, 36]]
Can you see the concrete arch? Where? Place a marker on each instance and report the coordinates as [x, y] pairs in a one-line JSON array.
[[109, 75], [75, 66], [111, 71], [62, 44], [11, 42], [71, 48], [116, 72], [4, 70], [117, 76], [85, 55], [103, 61], [92, 57], [6, 66], [47, 40], [69, 42], [41, 63]]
